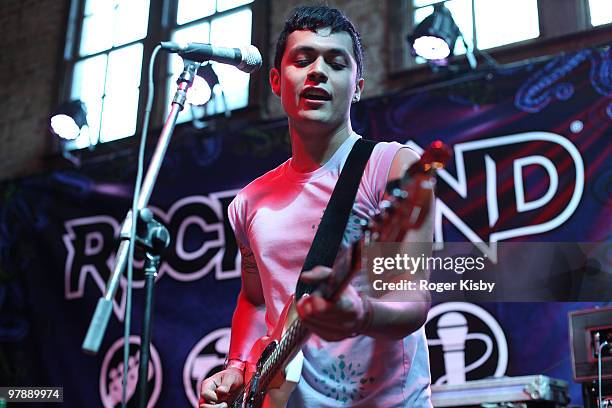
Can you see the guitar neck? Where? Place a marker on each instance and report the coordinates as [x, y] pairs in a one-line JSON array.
[[287, 347]]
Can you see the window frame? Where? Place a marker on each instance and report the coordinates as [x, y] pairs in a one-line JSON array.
[[72, 56], [161, 23], [174, 26]]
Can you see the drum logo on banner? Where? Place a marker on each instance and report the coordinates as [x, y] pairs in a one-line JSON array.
[[111, 374]]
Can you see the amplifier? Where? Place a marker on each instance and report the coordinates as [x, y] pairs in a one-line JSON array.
[[527, 391], [584, 326]]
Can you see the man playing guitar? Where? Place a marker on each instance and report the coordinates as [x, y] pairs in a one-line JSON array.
[[364, 352]]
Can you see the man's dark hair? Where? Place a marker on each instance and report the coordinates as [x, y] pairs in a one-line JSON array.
[[312, 18]]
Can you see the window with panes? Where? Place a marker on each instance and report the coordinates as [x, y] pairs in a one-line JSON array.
[[105, 57]]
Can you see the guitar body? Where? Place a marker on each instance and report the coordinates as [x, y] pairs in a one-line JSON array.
[[279, 389]]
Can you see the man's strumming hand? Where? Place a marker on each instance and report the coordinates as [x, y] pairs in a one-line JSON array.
[[332, 321]]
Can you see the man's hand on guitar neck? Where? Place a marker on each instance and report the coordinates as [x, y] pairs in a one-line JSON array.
[[220, 388], [332, 321]]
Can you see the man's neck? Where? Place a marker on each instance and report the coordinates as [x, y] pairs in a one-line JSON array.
[[312, 148]]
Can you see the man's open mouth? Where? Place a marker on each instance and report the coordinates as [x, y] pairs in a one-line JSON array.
[[316, 94]]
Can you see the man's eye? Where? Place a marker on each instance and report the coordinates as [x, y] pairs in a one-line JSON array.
[[337, 66], [302, 62]]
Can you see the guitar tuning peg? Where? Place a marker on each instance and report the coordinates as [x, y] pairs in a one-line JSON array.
[[393, 185], [400, 194], [367, 237], [394, 191], [385, 205], [363, 223]]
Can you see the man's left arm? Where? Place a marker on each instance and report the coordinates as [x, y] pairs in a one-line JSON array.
[[381, 317], [391, 317]]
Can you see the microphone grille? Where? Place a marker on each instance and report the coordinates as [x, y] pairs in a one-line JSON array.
[[251, 59]]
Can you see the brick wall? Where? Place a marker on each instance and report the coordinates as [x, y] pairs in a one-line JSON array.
[[32, 33]]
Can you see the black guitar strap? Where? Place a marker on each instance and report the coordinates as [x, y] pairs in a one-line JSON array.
[[327, 240]]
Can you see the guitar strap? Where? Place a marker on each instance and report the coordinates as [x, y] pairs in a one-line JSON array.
[[327, 240]]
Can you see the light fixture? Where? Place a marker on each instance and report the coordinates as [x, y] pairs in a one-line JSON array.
[[201, 92], [203, 84], [68, 120], [435, 37]]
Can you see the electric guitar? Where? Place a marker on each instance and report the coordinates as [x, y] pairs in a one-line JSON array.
[[406, 207]]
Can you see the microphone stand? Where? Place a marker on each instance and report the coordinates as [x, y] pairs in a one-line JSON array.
[[99, 321], [153, 237]]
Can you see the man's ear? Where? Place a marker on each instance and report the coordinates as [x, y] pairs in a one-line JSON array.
[[358, 90], [275, 81]]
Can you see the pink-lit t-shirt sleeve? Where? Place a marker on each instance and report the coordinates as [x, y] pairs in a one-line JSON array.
[[377, 170], [236, 213]]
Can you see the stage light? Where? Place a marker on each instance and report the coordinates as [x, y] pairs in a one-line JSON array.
[[435, 37], [203, 83], [199, 93], [68, 120]]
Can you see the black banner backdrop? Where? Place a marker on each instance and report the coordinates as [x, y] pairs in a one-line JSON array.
[[532, 149]]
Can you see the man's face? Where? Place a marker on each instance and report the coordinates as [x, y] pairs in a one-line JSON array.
[[317, 80]]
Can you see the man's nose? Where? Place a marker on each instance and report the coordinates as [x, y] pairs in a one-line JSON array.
[[318, 70]]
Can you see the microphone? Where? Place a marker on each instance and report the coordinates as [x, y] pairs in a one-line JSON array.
[[452, 331], [247, 58]]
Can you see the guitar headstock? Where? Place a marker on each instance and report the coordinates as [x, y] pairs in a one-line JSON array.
[[408, 199], [405, 207]]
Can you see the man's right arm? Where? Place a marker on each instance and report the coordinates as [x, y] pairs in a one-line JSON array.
[[248, 325], [248, 322]]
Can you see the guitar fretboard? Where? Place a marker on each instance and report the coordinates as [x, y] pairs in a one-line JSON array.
[[288, 343], [296, 332]]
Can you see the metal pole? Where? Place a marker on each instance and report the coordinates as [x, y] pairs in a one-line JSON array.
[[150, 269]]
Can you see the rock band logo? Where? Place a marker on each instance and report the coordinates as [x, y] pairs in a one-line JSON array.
[[526, 184], [532, 183], [202, 242]]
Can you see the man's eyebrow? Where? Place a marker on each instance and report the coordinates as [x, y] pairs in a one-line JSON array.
[[339, 51], [308, 49]]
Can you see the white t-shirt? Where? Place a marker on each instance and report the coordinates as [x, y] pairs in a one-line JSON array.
[[276, 217]]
